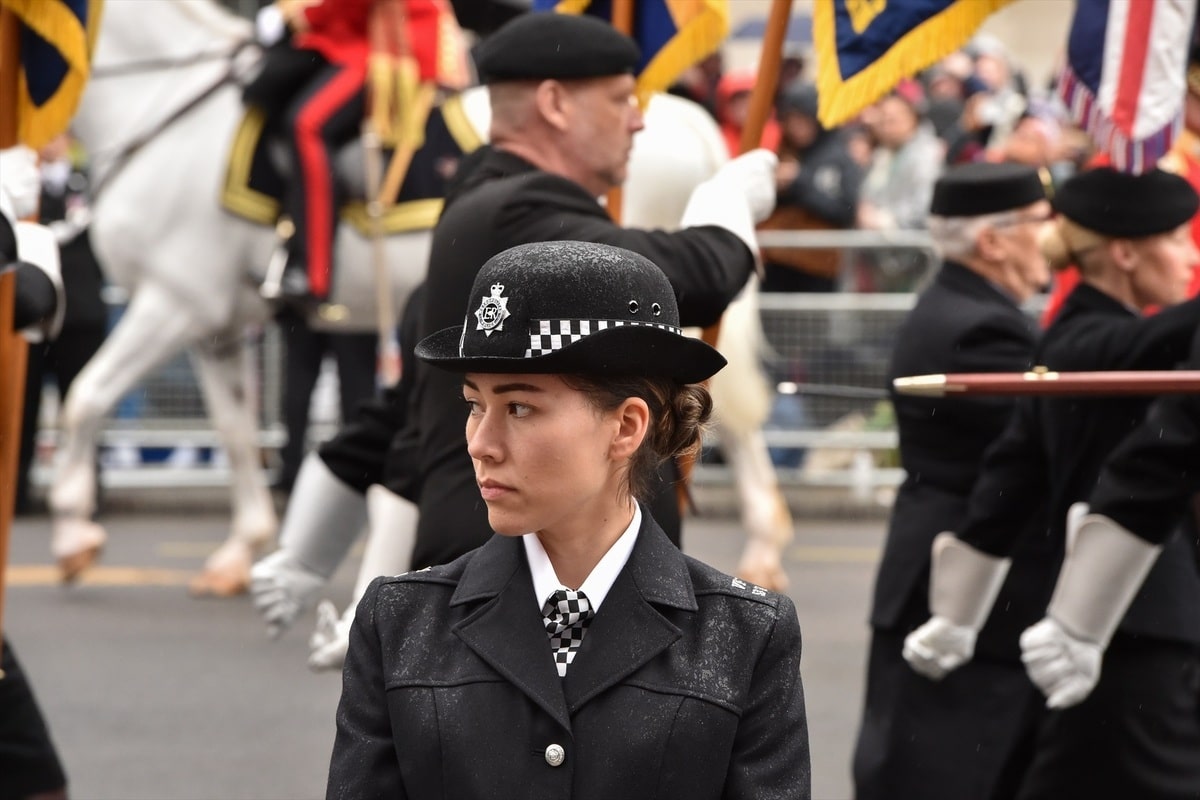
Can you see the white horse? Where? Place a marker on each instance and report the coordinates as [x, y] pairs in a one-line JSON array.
[[158, 118]]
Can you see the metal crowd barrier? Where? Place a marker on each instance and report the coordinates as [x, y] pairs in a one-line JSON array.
[[826, 355]]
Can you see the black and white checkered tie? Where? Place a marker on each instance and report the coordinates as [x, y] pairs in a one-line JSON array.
[[566, 614]]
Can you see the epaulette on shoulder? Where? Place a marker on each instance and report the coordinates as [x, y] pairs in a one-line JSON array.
[[426, 575], [708, 580]]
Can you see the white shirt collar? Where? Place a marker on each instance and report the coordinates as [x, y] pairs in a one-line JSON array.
[[598, 581]]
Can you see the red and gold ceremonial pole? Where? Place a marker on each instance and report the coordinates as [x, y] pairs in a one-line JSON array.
[[13, 349], [1041, 382]]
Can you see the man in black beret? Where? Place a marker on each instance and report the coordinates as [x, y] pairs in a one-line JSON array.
[[563, 119], [951, 739]]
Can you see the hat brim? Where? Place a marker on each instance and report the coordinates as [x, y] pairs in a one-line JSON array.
[[619, 351]]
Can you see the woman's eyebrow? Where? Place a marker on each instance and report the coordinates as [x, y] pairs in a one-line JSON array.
[[506, 387]]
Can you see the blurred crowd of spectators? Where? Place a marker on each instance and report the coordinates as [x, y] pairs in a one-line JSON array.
[[877, 172]]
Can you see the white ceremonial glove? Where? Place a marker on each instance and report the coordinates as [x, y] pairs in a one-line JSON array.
[[737, 197], [282, 588], [20, 180], [939, 647], [1065, 668], [269, 25], [752, 174], [324, 518], [330, 640], [963, 584], [1103, 569]]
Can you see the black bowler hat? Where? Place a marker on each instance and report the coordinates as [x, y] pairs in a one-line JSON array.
[[571, 308], [972, 190], [1125, 205], [543, 45]]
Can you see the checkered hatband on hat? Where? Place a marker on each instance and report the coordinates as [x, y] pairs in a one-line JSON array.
[[551, 335], [566, 614]]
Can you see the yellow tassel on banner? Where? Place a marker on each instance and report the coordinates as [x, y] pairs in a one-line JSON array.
[[841, 99]]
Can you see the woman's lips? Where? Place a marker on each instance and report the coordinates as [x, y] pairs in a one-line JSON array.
[[492, 490]]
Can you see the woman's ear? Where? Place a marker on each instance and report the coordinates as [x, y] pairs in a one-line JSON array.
[[633, 423], [1123, 254]]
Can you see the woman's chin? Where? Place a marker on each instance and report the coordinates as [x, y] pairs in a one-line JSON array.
[[506, 524]]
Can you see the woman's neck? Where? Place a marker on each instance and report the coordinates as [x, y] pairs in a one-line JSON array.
[[574, 553], [1113, 283]]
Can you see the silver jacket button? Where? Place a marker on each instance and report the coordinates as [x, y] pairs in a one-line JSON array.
[[555, 755]]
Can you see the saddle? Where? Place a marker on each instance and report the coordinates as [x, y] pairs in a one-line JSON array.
[[257, 172]]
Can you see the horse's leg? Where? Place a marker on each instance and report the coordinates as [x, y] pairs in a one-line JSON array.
[[221, 369], [765, 514], [153, 328]]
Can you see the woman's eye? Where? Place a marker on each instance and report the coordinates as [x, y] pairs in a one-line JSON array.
[[519, 409], [472, 405]]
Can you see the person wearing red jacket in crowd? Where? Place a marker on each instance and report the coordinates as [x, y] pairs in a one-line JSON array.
[[1183, 160], [331, 44], [733, 104]]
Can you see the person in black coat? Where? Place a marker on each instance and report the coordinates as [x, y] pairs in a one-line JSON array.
[[951, 740], [577, 653], [1137, 734], [563, 118]]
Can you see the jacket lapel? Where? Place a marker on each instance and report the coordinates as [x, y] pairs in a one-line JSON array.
[[628, 630], [506, 629]]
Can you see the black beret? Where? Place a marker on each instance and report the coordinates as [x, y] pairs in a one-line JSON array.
[[972, 190], [542, 45], [571, 308], [1125, 205]]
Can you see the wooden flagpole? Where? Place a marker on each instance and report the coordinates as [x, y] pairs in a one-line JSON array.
[[622, 20], [13, 349]]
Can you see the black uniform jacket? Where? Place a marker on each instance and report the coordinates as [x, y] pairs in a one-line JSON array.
[[961, 323], [1053, 449], [1150, 478], [686, 686]]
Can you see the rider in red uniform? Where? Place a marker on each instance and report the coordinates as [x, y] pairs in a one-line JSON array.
[[326, 112]]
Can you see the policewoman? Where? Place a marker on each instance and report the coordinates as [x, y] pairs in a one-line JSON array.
[[1138, 733], [577, 653]]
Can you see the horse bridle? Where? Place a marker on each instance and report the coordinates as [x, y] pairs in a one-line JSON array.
[[131, 148]]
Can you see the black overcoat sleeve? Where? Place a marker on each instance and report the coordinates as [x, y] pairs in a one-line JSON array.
[[1011, 487], [370, 447], [364, 763], [706, 265], [1147, 483], [1107, 342], [772, 736]]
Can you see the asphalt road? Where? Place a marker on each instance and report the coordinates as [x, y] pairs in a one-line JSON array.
[[154, 695]]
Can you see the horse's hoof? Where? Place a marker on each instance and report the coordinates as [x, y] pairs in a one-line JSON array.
[[76, 545], [72, 566], [212, 583]]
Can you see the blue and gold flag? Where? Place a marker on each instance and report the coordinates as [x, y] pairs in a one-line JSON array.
[[865, 47], [56, 42], [673, 34]]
